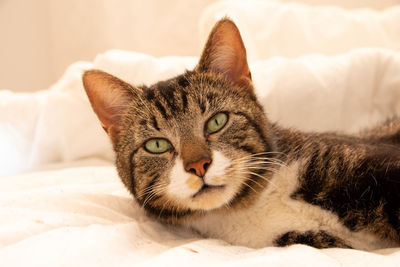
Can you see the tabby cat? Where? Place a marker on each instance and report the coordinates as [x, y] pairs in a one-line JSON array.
[[198, 151]]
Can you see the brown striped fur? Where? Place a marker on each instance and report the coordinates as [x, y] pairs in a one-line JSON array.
[[355, 180]]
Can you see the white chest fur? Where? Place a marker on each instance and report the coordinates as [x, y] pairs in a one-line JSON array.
[[276, 213]]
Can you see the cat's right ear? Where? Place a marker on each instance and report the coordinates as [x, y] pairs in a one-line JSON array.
[[109, 97], [225, 53]]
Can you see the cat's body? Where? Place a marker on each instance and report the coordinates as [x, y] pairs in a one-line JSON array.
[[197, 150]]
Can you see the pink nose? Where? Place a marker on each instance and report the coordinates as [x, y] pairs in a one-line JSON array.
[[199, 167]]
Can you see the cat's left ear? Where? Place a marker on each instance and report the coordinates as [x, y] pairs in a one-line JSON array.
[[225, 53], [109, 97]]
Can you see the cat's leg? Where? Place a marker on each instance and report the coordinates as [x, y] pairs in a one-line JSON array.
[[317, 239]]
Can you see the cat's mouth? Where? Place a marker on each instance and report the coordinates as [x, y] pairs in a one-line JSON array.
[[206, 188]]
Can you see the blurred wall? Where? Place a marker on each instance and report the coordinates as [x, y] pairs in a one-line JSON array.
[[25, 58], [40, 38], [375, 4]]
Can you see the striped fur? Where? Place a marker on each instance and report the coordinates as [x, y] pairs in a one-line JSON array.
[[264, 185]]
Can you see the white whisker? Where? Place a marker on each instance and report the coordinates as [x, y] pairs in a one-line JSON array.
[[246, 184], [262, 177]]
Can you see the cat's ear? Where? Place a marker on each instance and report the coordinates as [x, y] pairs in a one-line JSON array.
[[109, 97], [225, 53]]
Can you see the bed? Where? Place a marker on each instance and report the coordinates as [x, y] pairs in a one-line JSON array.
[[62, 203]]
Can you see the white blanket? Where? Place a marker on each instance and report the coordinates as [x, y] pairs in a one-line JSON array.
[[84, 217], [69, 207]]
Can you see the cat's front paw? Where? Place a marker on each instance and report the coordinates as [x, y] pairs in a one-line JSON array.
[[317, 239]]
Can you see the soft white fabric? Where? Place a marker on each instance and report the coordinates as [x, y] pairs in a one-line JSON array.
[[75, 211], [84, 217], [271, 28]]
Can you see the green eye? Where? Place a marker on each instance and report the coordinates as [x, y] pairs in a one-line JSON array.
[[216, 122], [157, 145]]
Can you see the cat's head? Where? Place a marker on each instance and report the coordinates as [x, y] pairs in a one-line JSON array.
[[193, 143]]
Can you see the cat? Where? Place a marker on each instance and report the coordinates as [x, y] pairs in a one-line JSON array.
[[198, 151]]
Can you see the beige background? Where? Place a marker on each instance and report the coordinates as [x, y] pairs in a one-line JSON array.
[[40, 38]]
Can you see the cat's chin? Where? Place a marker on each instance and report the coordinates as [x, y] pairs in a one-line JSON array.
[[210, 197], [207, 189]]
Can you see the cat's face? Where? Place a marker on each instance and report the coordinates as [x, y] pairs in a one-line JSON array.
[[192, 142], [196, 142]]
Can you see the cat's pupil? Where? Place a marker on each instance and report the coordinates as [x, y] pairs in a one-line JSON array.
[[216, 122], [157, 144]]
